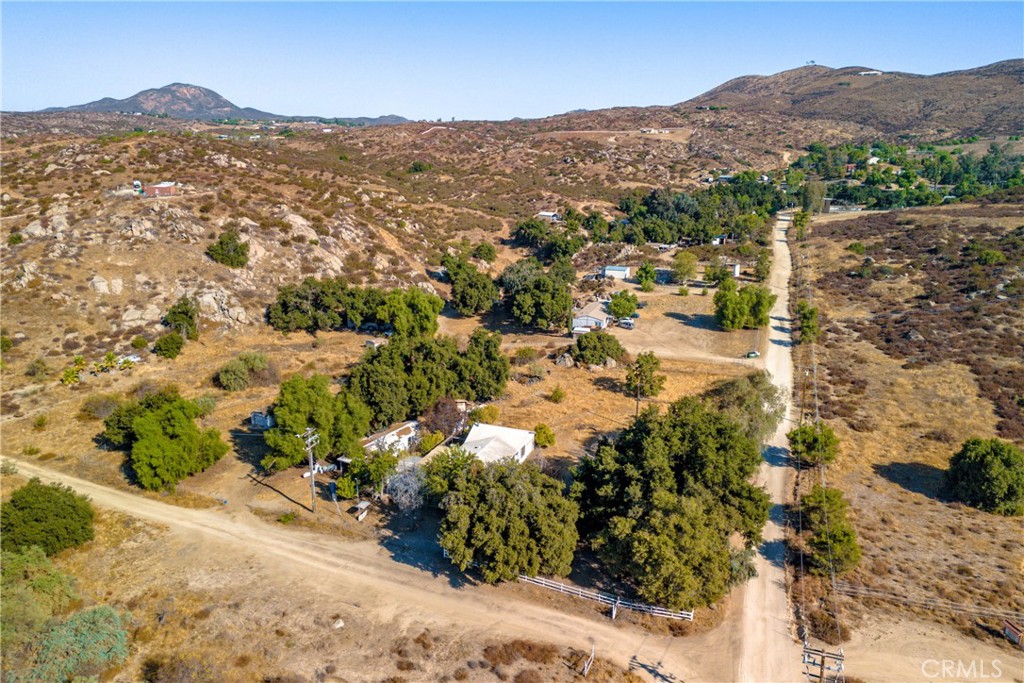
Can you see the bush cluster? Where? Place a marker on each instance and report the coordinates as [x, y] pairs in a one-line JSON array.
[[229, 250], [242, 372], [50, 516], [595, 347]]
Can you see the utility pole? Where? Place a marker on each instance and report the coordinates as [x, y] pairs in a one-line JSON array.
[[311, 439], [818, 658]]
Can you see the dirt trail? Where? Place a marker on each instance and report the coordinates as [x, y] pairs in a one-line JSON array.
[[768, 650], [363, 576]]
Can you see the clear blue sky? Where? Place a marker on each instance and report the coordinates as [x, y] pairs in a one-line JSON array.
[[472, 60]]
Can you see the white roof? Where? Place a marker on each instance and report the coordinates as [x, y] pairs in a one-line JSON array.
[[166, 183], [595, 309], [491, 443], [617, 268]]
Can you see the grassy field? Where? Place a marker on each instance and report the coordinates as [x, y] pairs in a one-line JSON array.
[[904, 363]]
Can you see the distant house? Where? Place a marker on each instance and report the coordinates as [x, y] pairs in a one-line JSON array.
[[719, 240], [869, 73], [591, 316], [262, 420], [873, 161], [376, 342], [617, 272], [723, 179], [164, 189], [491, 443], [400, 437], [552, 216]]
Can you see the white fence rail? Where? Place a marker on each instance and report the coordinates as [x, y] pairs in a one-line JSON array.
[[606, 599]]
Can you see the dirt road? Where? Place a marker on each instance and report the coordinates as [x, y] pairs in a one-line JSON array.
[[768, 650], [363, 578]]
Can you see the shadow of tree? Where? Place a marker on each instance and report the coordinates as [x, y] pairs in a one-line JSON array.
[[702, 321], [916, 477], [609, 384], [249, 447], [411, 539], [776, 456]]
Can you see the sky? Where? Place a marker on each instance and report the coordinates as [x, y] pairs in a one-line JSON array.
[[468, 60]]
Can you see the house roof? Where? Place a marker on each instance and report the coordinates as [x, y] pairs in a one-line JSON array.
[[398, 431], [166, 183], [617, 268], [491, 443], [595, 309]]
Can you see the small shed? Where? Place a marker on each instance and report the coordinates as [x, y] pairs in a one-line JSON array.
[[617, 272], [591, 316], [735, 269], [376, 342], [552, 216], [1014, 633], [262, 420], [164, 189], [719, 240]]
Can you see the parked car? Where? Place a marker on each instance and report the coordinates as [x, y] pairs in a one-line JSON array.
[[754, 354], [626, 323]]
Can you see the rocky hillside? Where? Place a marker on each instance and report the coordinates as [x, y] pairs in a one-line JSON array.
[[988, 99]]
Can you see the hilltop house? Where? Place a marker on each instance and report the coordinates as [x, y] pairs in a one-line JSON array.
[[491, 443], [164, 189], [552, 216]]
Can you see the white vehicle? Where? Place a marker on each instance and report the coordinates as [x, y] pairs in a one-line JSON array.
[[626, 323]]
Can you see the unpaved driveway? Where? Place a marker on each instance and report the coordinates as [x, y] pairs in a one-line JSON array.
[[768, 651], [363, 576]]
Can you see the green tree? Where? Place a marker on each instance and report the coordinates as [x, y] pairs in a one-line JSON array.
[[183, 318], [533, 297], [763, 267], [623, 304], [341, 420], [642, 379], [812, 197], [411, 312], [833, 542], [485, 251], [169, 345], [646, 276], [754, 402], [684, 266], [807, 317], [508, 519], [758, 302], [473, 292], [800, 222], [544, 436], [229, 250], [169, 446], [595, 347], [814, 444], [730, 313], [988, 474], [50, 516], [444, 469], [371, 470]]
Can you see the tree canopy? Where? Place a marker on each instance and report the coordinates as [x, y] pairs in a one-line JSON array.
[[473, 292], [814, 444], [229, 250], [659, 503], [642, 379], [331, 304], [534, 297], [988, 474], [623, 304], [748, 307], [508, 519], [595, 347], [183, 318], [833, 542], [401, 379], [50, 516], [341, 421]]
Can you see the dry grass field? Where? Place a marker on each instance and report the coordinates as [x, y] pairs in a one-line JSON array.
[[902, 402]]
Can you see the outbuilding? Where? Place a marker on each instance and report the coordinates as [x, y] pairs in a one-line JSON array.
[[164, 189], [400, 437], [617, 272]]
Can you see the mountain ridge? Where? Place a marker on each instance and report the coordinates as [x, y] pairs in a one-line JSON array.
[[193, 102]]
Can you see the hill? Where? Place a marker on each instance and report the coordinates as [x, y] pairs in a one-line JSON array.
[[982, 100], [185, 101]]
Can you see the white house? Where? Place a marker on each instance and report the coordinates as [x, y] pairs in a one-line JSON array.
[[591, 316], [491, 443], [552, 216], [617, 272], [873, 160], [399, 436]]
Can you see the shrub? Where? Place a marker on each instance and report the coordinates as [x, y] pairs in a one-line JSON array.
[[487, 414], [525, 355], [139, 342], [39, 424], [37, 368], [988, 474], [485, 251], [430, 441], [856, 248], [419, 167], [14, 239], [183, 318], [593, 348], [50, 516], [229, 250], [169, 345], [91, 640], [557, 395], [98, 407], [6, 343], [833, 543], [814, 444], [544, 436]]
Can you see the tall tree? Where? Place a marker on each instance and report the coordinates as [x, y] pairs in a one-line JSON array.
[[642, 379]]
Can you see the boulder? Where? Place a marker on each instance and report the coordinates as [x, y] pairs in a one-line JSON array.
[[116, 285], [610, 363], [565, 361], [99, 284], [33, 229]]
